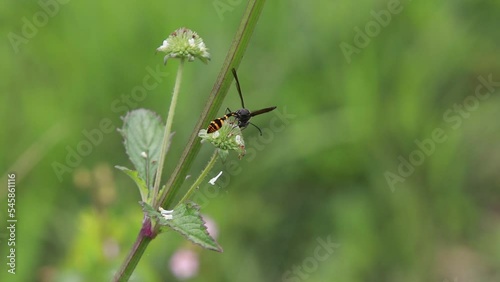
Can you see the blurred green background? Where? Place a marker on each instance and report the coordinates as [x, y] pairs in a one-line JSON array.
[[326, 168]]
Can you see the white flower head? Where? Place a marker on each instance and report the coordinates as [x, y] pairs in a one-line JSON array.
[[226, 138], [184, 43]]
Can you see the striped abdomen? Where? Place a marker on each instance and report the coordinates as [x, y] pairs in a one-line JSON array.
[[217, 123]]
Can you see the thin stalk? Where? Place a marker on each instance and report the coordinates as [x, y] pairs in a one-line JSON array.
[[168, 130], [200, 178]]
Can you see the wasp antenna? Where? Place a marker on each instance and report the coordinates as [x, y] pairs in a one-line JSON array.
[[238, 87], [260, 131]]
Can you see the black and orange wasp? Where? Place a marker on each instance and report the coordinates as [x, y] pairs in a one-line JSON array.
[[242, 115]]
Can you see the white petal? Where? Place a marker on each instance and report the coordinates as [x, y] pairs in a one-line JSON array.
[[238, 140], [212, 181], [167, 214], [164, 46]]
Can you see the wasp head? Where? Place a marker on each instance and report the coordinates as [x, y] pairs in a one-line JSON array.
[[243, 116]]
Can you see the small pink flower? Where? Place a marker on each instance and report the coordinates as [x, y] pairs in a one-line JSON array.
[[184, 264], [212, 228]]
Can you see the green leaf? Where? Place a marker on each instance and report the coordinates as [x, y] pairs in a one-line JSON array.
[[141, 184], [143, 132], [152, 213], [186, 220]]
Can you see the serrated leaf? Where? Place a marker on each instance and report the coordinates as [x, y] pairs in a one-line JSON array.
[[143, 132], [148, 209], [186, 220], [141, 184]]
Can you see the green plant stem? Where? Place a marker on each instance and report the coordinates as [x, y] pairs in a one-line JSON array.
[[168, 130], [200, 178], [133, 258]]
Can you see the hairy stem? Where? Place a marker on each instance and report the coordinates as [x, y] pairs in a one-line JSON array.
[[133, 258], [200, 178], [168, 130]]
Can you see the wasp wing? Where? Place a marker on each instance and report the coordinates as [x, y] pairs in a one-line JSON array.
[[256, 113]]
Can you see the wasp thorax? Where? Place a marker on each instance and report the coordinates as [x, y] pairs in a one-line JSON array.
[[243, 113], [243, 116]]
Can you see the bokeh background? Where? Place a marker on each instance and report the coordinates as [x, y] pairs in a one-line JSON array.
[[320, 172]]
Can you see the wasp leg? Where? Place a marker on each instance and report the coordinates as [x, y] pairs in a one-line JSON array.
[[260, 131]]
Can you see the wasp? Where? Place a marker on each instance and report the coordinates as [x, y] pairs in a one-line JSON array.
[[242, 115]]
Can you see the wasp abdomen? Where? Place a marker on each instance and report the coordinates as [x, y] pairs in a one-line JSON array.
[[217, 123]]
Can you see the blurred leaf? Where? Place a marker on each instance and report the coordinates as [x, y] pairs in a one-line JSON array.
[[186, 219], [141, 184], [143, 132]]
